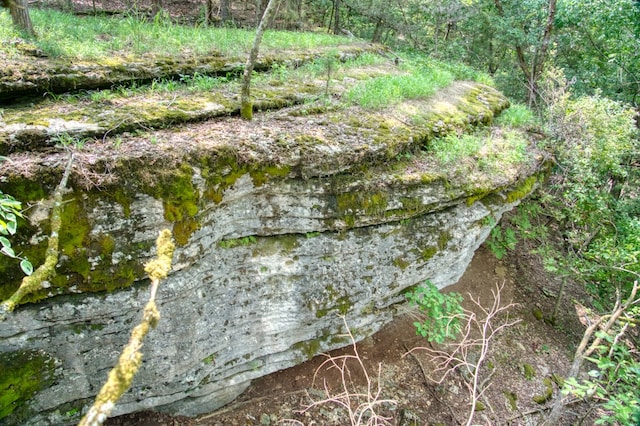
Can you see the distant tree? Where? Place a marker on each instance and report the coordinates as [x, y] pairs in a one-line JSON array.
[[246, 108], [20, 15], [531, 41], [208, 12], [336, 16], [225, 11]]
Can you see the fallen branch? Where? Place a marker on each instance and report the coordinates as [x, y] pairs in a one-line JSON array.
[[603, 324], [362, 407], [32, 283], [121, 376], [469, 353]]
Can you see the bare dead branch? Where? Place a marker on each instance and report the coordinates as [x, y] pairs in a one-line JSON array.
[[604, 324], [361, 406], [469, 353], [32, 283]]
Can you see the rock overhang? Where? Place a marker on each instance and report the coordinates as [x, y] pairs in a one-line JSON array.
[[282, 225]]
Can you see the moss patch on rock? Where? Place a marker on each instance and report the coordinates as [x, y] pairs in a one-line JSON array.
[[24, 373]]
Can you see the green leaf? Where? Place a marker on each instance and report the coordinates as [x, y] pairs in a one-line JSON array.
[[26, 266], [5, 242], [12, 226], [8, 251]]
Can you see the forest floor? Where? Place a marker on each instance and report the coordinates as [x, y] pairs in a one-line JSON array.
[[520, 366]]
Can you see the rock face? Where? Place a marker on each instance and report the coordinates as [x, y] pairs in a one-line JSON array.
[[272, 251]]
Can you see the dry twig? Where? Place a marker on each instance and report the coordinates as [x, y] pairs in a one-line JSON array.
[[32, 283], [362, 406], [468, 354]]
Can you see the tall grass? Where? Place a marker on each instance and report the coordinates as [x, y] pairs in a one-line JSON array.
[[388, 90], [64, 35]]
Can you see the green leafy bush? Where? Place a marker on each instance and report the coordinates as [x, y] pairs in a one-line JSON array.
[[614, 380], [441, 312], [10, 211]]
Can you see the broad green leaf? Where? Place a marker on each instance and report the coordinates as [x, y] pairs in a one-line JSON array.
[[12, 226], [8, 251], [26, 266]]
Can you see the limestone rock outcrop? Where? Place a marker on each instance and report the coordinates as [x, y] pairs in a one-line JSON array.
[[283, 225]]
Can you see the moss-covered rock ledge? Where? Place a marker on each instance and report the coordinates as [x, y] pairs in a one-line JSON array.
[[281, 223], [38, 76]]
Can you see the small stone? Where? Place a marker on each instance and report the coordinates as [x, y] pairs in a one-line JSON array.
[[265, 419]]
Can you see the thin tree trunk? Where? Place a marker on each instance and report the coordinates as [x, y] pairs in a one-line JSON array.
[[156, 7], [225, 11], [533, 72], [20, 16], [246, 108], [336, 17], [377, 32], [208, 12]]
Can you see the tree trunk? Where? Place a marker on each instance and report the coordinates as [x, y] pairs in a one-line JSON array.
[[20, 16], [533, 71], [336, 16], [156, 7], [208, 12], [246, 108], [377, 32], [225, 11]]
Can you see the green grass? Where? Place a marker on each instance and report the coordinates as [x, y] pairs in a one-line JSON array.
[[493, 152], [517, 115], [93, 37], [419, 82], [452, 148]]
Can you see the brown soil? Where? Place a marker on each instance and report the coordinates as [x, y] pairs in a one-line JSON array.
[[520, 358]]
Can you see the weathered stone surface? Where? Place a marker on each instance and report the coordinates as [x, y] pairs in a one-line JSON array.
[[270, 254], [44, 75]]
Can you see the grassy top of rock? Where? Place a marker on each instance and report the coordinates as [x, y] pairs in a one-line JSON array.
[[74, 53]]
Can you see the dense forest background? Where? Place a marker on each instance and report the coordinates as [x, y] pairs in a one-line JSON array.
[[574, 68]]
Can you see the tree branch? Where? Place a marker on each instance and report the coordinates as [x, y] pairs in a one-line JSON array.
[[121, 376], [32, 283]]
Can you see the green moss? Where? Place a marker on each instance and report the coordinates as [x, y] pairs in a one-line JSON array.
[[401, 263], [75, 227], [309, 348], [246, 111], [528, 371], [210, 359], [236, 242], [443, 239], [357, 203], [548, 392], [262, 175], [512, 400], [180, 200], [523, 189], [537, 313], [476, 197], [284, 244], [427, 253], [24, 373], [334, 301], [25, 190]]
